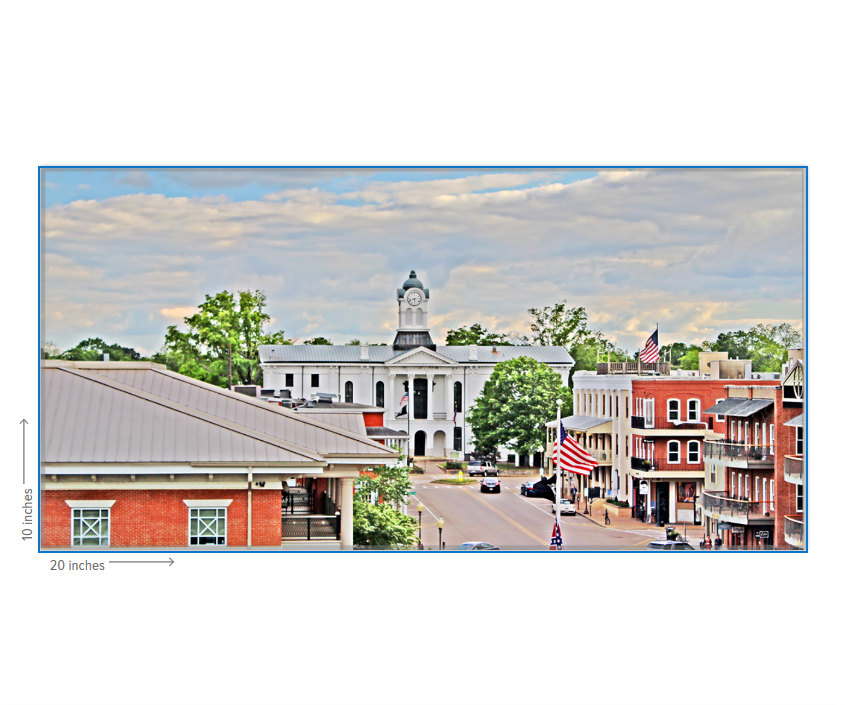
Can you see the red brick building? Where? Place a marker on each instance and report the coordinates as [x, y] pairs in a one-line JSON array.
[[133, 455]]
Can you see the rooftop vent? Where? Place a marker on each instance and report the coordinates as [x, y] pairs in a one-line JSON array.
[[473, 352]]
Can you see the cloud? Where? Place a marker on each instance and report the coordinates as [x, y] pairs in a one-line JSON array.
[[83, 186], [179, 313]]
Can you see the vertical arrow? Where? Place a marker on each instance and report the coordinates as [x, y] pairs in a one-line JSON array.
[[23, 428]]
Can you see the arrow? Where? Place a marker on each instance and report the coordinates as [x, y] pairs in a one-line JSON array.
[[169, 561], [23, 428]]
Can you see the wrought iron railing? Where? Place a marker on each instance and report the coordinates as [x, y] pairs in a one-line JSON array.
[[299, 502], [793, 530], [311, 527], [720, 450], [632, 368], [664, 423], [793, 468], [737, 508], [664, 465], [640, 463]]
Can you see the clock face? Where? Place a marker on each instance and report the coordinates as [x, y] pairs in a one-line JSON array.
[[414, 298]]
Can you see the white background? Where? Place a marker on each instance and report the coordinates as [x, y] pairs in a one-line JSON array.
[[439, 84]]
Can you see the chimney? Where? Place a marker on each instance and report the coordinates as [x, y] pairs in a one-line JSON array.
[[365, 352], [494, 351], [473, 352]]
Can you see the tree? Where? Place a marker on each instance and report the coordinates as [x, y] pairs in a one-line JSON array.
[[319, 340], [475, 335], [558, 325], [389, 484], [675, 352], [515, 404], [381, 525], [765, 345], [689, 361], [221, 345], [94, 349], [592, 347]]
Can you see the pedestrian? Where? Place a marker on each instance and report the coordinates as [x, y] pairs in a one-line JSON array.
[[707, 543], [718, 542], [606, 517]]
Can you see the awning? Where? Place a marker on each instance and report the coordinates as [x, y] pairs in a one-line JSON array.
[[739, 407], [581, 423], [797, 421]]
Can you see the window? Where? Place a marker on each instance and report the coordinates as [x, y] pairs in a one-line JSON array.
[[603, 405], [208, 526], [799, 440], [459, 397], [315, 380], [693, 452], [756, 434], [756, 488], [733, 485], [288, 379], [648, 413], [799, 498], [458, 438], [674, 410], [713, 473], [626, 407], [720, 417], [765, 507], [674, 451], [772, 436], [747, 494], [347, 389], [764, 435], [90, 526], [693, 409], [747, 435], [733, 430], [772, 496], [380, 394]]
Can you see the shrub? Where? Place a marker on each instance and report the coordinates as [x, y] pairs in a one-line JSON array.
[[454, 465]]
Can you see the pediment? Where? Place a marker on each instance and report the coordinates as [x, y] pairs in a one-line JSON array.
[[421, 356]]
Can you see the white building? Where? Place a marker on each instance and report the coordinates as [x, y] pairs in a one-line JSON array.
[[445, 379]]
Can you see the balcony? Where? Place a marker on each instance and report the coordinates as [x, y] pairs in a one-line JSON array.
[[311, 528], [662, 423], [793, 469], [605, 457], [736, 455], [737, 510], [663, 465], [793, 530], [632, 368]]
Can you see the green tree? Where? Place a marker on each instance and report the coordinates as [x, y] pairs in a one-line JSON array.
[[515, 404], [675, 352], [94, 349], [558, 325], [475, 335], [221, 345], [319, 340], [381, 525], [388, 484], [592, 347], [765, 345], [689, 360]]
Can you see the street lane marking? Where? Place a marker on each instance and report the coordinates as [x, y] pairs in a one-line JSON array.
[[505, 517]]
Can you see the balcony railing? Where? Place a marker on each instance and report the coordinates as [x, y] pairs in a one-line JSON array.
[[311, 527], [663, 423], [728, 452], [632, 368], [793, 469], [793, 530], [737, 508], [605, 457], [664, 465]]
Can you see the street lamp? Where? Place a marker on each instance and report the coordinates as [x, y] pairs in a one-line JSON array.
[[420, 508], [440, 525]]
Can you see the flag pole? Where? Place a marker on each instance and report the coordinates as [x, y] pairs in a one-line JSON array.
[[558, 481]]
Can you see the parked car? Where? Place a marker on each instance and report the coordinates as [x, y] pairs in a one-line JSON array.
[[540, 488], [566, 507], [669, 546], [482, 467], [491, 484], [476, 546]]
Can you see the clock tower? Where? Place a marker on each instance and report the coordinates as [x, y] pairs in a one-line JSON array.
[[413, 316]]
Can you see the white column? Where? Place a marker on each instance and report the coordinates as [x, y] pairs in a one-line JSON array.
[[430, 409], [391, 398], [450, 411], [411, 395], [346, 538], [614, 432]]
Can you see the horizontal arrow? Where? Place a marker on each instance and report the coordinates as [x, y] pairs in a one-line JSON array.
[[169, 561]]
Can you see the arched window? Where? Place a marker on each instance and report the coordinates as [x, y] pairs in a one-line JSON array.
[[693, 452], [459, 407], [720, 417], [673, 410], [674, 452], [693, 408], [380, 394], [348, 396]]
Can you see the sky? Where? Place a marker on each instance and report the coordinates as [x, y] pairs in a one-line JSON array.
[[128, 252]]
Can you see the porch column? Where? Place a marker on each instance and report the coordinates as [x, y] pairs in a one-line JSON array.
[[614, 466], [346, 484], [430, 405], [391, 398]]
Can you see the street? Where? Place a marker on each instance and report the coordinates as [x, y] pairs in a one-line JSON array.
[[509, 520]]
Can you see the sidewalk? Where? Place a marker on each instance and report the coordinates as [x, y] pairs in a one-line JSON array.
[[694, 533]]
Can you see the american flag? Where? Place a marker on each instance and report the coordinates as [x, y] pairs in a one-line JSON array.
[[403, 402], [556, 544], [650, 353], [568, 455]]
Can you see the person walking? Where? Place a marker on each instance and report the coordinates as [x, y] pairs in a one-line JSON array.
[[718, 542], [606, 517]]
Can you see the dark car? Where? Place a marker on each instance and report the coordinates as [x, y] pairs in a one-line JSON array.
[[543, 488], [491, 484], [476, 546]]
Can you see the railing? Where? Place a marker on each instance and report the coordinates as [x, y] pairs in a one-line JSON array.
[[640, 463], [793, 468], [720, 450], [719, 503], [603, 456], [632, 368], [311, 527], [663, 423], [664, 465], [793, 530]]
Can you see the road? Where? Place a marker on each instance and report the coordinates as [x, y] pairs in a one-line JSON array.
[[509, 520]]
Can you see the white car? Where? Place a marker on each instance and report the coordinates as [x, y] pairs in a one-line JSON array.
[[482, 467], [566, 507]]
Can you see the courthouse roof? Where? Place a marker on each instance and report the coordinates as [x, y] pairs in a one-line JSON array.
[[141, 413], [549, 354]]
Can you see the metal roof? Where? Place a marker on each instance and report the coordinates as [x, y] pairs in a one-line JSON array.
[[135, 415], [580, 423], [548, 354], [739, 407], [385, 432], [797, 421]]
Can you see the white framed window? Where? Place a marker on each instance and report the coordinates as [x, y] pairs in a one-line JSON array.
[[720, 417], [756, 488], [747, 436], [799, 440], [799, 498], [733, 484], [90, 526], [772, 496], [764, 435], [756, 434], [713, 473], [765, 504], [673, 409], [208, 526], [648, 413], [693, 452], [674, 451], [747, 494], [733, 430], [693, 410], [772, 436]]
